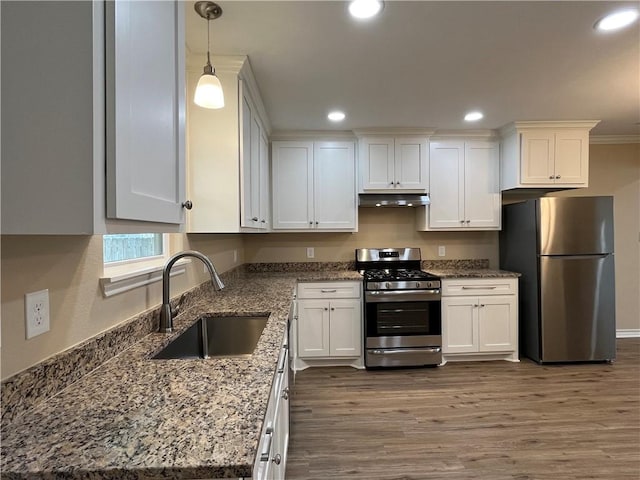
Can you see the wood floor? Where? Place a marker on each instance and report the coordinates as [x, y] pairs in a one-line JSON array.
[[485, 420]]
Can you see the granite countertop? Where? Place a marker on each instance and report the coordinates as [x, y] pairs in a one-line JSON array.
[[137, 418], [134, 417], [472, 273]]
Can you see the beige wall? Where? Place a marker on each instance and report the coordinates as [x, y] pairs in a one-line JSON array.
[[70, 266], [378, 227], [615, 170]]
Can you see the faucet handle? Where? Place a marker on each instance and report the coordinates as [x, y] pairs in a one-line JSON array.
[[175, 311]]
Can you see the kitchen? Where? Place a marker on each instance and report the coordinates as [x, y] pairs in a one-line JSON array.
[[69, 266]]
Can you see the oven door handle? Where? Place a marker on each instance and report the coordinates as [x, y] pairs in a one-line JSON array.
[[388, 351], [377, 296]]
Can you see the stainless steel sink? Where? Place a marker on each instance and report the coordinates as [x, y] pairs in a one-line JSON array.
[[216, 337]]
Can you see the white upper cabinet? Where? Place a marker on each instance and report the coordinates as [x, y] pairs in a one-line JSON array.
[[394, 163], [314, 185], [464, 191], [254, 151], [145, 121], [546, 155], [228, 153], [107, 133]]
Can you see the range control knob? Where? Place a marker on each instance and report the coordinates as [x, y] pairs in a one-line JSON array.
[[417, 284], [388, 285]]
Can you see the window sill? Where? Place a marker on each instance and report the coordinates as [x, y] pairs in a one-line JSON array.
[[118, 280]]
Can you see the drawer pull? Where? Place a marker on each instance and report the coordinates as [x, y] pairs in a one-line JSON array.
[[328, 291], [265, 454], [467, 287]]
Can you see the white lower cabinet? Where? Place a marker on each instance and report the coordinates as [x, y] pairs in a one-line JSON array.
[[329, 324], [271, 458], [480, 319]]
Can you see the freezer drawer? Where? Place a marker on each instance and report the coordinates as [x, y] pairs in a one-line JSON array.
[[577, 308]]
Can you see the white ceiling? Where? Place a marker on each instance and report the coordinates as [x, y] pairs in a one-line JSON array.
[[425, 64]]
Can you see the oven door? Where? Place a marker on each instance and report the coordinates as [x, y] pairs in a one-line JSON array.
[[403, 329]]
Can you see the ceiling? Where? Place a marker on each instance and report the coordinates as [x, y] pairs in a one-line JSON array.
[[425, 64]]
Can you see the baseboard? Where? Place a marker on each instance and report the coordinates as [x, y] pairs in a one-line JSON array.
[[628, 333]]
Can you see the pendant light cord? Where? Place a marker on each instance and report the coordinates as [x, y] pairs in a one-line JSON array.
[[208, 40]]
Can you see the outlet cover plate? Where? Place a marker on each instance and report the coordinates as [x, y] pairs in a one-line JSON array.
[[311, 252], [36, 307], [441, 251]]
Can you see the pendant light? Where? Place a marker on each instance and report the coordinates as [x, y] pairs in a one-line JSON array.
[[209, 90]]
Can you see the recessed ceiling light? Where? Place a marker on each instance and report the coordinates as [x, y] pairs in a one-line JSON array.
[[617, 20], [473, 116], [336, 116], [363, 9]]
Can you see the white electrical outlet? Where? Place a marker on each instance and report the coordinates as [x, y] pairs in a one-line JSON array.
[[36, 307], [311, 252], [441, 251]]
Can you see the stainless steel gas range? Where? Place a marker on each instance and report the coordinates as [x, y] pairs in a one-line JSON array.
[[402, 319]]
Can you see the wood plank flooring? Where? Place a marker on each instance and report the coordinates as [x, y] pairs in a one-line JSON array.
[[482, 420]]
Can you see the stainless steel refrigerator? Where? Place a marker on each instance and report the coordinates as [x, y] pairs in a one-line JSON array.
[[563, 246]]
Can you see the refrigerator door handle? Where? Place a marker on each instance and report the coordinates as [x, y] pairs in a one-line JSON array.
[[578, 257]]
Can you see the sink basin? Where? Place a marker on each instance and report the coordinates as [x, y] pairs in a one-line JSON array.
[[216, 337]]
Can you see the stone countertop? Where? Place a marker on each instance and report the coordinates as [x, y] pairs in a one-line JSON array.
[[135, 418], [472, 273]]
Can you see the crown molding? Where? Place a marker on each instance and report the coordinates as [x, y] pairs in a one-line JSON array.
[[613, 139], [311, 135], [221, 63], [533, 124], [485, 134], [423, 131]]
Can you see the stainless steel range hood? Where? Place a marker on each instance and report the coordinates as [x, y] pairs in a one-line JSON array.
[[394, 199]]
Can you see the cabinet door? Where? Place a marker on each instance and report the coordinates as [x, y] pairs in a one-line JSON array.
[[334, 185], [537, 157], [265, 183], [482, 200], [145, 111], [377, 163], [281, 429], [459, 324], [446, 173], [497, 324], [292, 181], [572, 157], [411, 163], [313, 328], [253, 153], [345, 327]]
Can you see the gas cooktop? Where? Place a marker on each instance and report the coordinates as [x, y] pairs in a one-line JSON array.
[[386, 275]]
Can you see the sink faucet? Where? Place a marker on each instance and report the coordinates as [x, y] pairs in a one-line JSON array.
[[166, 314]]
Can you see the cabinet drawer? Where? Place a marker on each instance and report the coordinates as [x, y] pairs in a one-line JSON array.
[[480, 286], [329, 290]]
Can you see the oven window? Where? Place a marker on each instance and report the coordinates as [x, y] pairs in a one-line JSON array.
[[389, 319]]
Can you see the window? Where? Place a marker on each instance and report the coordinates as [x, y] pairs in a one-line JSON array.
[[128, 247], [135, 260]]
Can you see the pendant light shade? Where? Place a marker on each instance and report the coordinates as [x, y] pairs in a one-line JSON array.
[[209, 92]]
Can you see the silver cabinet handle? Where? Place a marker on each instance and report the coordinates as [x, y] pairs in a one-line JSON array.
[[317, 223], [285, 393], [468, 221], [397, 183], [461, 221], [255, 219], [310, 223], [325, 309], [391, 183], [277, 459], [332, 309], [475, 306], [264, 455], [188, 204], [328, 291], [480, 287], [550, 177], [482, 304], [557, 176], [263, 221]]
